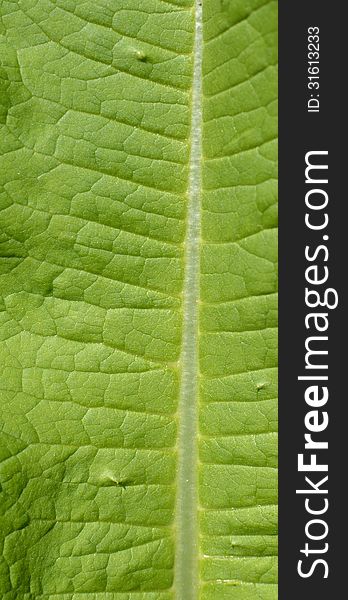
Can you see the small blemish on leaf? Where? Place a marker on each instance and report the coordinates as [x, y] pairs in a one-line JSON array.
[[261, 385], [122, 484], [108, 479], [140, 55]]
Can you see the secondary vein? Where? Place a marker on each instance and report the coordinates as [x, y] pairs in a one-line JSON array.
[[186, 563]]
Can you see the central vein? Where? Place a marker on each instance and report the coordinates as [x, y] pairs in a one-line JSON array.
[[186, 564]]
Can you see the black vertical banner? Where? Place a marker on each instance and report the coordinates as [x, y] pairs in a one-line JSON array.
[[313, 273]]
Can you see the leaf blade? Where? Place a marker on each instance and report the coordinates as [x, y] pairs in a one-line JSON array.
[[97, 129]]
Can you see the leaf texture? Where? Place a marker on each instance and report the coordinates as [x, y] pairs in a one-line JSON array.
[[138, 299], [238, 342]]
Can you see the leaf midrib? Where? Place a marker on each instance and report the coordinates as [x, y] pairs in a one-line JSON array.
[[186, 560]]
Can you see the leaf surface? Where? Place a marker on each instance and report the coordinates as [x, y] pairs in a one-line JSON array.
[[138, 300]]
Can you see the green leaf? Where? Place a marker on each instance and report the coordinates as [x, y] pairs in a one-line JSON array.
[[138, 296]]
